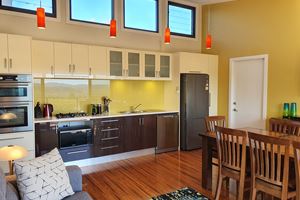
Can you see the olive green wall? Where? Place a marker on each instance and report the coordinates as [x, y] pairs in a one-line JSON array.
[[253, 27]]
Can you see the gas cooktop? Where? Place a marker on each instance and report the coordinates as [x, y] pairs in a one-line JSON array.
[[71, 115]]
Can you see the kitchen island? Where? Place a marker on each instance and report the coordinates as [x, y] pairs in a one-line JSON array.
[[109, 136]]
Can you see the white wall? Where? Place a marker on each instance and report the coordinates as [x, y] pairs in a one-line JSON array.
[[60, 30]]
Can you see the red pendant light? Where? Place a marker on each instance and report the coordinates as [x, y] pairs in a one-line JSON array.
[[113, 28], [167, 36], [208, 41], [41, 18]]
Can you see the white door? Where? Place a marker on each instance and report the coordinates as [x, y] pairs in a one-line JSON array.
[[248, 92], [19, 53]]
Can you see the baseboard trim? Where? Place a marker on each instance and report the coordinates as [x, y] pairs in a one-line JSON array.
[[111, 158]]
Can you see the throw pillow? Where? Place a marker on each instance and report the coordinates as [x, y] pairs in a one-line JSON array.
[[44, 178]]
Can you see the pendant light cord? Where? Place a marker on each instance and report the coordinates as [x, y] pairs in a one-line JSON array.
[[208, 20], [40, 3]]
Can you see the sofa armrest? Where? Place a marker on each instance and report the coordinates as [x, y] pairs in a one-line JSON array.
[[75, 176]]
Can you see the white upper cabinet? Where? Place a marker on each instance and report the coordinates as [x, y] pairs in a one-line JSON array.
[[193, 63], [150, 65], [164, 70], [42, 58], [63, 58], [133, 64], [116, 60], [80, 59], [15, 54], [98, 61], [3, 53]]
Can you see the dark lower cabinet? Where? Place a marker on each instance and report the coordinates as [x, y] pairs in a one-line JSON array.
[[46, 138], [76, 153], [108, 136], [140, 132]]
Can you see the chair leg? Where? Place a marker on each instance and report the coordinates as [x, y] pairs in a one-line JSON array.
[[219, 187], [240, 190], [253, 193]]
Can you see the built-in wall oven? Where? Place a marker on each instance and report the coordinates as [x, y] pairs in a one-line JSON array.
[[16, 108]]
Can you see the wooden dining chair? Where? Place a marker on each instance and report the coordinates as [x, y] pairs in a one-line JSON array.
[[231, 146], [284, 126], [212, 121], [296, 146], [269, 166]]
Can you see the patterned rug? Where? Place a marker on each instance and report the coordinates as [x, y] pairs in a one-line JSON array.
[[182, 194]]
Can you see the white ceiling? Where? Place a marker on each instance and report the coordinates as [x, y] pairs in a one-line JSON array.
[[210, 1]]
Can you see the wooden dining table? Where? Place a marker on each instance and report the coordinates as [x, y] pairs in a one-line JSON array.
[[209, 145]]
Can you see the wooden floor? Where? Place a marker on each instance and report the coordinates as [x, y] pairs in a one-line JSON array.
[[144, 177]]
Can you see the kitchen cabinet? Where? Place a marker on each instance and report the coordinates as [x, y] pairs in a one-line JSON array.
[[150, 65], [71, 59], [42, 58], [167, 133], [116, 62], [46, 137], [140, 132], [164, 70], [15, 54], [133, 64], [97, 61], [108, 136]]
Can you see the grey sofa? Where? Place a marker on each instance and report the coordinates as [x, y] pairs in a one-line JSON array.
[[9, 191]]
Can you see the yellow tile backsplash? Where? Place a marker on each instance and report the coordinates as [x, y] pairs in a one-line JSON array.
[[72, 95]]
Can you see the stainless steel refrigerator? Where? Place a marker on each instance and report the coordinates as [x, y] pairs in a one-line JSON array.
[[194, 107]]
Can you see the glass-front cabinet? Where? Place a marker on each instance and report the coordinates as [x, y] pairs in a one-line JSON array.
[[150, 65], [133, 64], [165, 66], [116, 62]]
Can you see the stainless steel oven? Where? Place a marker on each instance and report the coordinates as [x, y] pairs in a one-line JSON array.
[[15, 88], [16, 108]]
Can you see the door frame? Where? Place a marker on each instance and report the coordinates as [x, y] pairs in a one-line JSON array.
[[232, 61]]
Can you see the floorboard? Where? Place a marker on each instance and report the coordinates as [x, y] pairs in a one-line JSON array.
[[147, 176]]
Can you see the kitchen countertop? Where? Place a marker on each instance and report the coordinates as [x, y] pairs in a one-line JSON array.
[[106, 115]]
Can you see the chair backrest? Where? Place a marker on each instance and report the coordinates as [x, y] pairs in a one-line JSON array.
[[296, 146], [231, 144], [269, 159], [284, 126], [212, 121]]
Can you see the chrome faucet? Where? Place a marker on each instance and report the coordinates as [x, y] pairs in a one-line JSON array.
[[132, 108]]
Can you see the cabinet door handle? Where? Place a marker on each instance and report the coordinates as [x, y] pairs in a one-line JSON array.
[[168, 116], [70, 66], [109, 121], [10, 63], [52, 69], [109, 129], [90, 71], [73, 68], [5, 62], [110, 138], [76, 152], [15, 138], [95, 131], [110, 147]]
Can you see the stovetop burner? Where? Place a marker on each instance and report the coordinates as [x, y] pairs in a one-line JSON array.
[[71, 115]]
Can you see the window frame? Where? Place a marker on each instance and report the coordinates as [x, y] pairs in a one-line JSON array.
[[194, 13], [89, 22], [139, 29], [32, 12]]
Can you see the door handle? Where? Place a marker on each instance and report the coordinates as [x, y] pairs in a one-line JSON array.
[[234, 103], [5, 62], [73, 68], [10, 63], [70, 66], [90, 71], [235, 110]]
